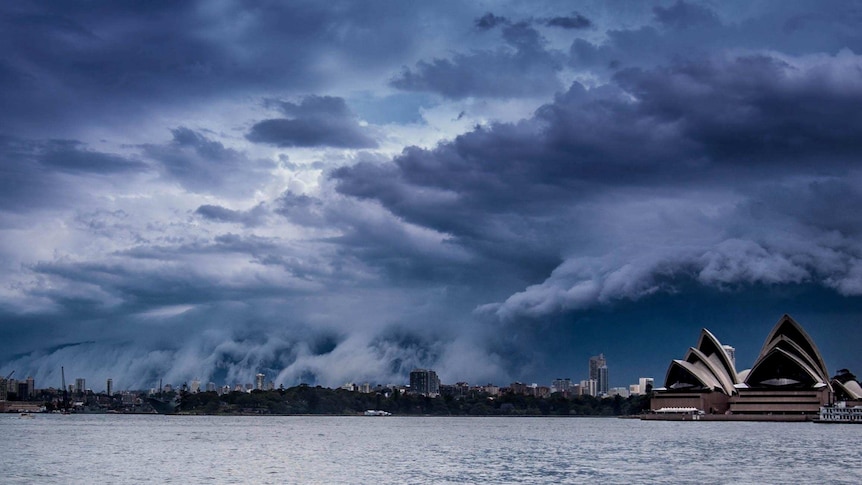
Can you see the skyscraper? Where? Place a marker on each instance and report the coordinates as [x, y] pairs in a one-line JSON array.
[[109, 386], [259, 382], [598, 362], [31, 387], [80, 385], [602, 381]]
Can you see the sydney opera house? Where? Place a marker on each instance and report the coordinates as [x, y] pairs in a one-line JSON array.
[[788, 380]]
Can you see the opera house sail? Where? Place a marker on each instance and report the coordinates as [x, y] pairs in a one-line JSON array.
[[788, 378]]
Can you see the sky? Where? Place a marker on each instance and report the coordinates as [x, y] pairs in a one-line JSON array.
[[332, 192]]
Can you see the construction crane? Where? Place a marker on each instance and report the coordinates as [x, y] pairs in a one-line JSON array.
[[10, 375]]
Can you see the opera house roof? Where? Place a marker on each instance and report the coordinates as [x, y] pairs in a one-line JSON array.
[[789, 359], [846, 386]]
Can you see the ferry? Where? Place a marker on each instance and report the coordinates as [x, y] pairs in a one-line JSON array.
[[840, 412], [374, 412]]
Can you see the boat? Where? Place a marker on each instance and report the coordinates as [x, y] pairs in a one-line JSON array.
[[26, 416], [840, 412], [375, 412]]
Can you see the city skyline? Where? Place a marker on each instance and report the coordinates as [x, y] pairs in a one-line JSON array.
[[421, 381], [328, 192]]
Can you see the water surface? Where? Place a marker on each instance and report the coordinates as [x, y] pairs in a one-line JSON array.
[[365, 450]]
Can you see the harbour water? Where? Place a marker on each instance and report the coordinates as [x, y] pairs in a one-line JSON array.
[[367, 450]]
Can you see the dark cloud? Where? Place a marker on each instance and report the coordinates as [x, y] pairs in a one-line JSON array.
[[317, 121], [33, 173], [249, 218], [204, 165], [703, 171], [101, 59], [576, 21], [717, 123], [683, 15], [67, 155], [693, 31], [757, 110], [489, 21], [524, 67]]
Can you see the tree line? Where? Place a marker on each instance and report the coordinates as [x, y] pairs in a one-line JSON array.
[[305, 399]]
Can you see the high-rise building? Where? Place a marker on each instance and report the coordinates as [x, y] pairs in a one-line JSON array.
[[602, 381], [31, 387], [80, 385], [595, 362], [195, 387], [424, 382], [599, 373], [259, 382], [3, 389], [211, 387], [109, 387]]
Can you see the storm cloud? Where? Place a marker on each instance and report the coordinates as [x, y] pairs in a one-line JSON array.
[[329, 193], [486, 73], [316, 121]]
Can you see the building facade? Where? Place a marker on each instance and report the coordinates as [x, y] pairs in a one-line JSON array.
[[788, 377], [424, 382]]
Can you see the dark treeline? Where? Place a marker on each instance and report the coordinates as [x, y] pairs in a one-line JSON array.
[[319, 400]]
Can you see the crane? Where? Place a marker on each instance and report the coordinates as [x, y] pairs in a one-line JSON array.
[[10, 375]]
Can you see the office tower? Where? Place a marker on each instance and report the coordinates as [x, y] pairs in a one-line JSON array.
[[599, 373], [424, 382], [109, 386], [31, 387], [211, 387], [80, 385], [195, 387], [259, 382], [602, 381], [596, 362]]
